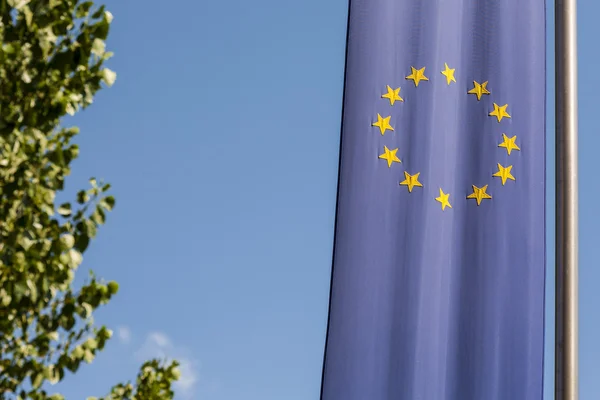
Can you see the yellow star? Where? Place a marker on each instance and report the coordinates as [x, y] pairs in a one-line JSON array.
[[504, 173], [509, 143], [444, 199], [417, 75], [479, 194], [479, 89], [392, 95], [411, 181], [390, 156], [383, 124], [449, 74], [499, 112]]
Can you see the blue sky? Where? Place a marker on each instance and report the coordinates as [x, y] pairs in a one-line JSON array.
[[220, 138]]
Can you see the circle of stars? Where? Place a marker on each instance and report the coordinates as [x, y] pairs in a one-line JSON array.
[[411, 181]]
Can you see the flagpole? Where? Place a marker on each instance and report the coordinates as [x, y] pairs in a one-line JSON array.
[[566, 339]]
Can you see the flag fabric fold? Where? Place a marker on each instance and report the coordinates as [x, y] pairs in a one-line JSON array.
[[437, 288]]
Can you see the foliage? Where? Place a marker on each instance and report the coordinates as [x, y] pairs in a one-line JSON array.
[[153, 383], [51, 64]]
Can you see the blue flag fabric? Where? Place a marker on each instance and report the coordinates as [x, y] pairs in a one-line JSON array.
[[439, 256]]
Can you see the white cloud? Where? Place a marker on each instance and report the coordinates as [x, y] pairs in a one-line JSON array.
[[124, 334], [158, 345], [159, 340], [189, 377]]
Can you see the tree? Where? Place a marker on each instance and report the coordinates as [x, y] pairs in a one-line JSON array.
[[51, 64]]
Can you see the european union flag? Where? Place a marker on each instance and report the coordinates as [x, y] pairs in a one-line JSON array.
[[438, 274]]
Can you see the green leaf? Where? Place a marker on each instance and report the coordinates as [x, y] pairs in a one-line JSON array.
[[83, 9], [113, 287], [75, 257], [9, 48], [90, 344], [88, 356], [98, 47], [99, 12], [26, 243], [67, 241], [98, 216], [104, 333], [64, 209], [33, 293], [88, 310], [71, 110], [108, 203], [18, 4], [90, 228], [78, 352], [100, 29], [82, 197], [82, 242], [52, 374], [5, 298], [37, 379], [109, 77], [28, 15], [20, 289]]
